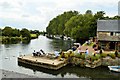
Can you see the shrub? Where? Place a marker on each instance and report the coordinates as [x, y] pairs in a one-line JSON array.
[[64, 55], [118, 55], [82, 56], [6, 40], [14, 40], [77, 55], [71, 54], [96, 57], [112, 55], [103, 55]]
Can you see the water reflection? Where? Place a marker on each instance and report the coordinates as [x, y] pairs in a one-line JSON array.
[[61, 44], [100, 72]]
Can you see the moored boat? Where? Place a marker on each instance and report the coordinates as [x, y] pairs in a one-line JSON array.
[[114, 68]]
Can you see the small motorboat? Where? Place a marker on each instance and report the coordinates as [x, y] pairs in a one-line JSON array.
[[114, 68]]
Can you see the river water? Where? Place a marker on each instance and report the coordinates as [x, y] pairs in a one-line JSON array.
[[10, 52]]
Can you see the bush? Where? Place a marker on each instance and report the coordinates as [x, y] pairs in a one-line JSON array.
[[6, 40], [9, 40], [15, 40], [118, 55], [103, 55], [77, 55], [112, 55], [82, 56], [64, 55], [71, 54], [96, 57]]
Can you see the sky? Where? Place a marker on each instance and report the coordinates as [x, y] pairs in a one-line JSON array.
[[36, 14]]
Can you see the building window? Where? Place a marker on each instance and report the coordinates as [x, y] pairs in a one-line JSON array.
[[111, 33]]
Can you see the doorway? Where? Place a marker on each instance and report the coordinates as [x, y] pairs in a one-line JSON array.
[[112, 45]]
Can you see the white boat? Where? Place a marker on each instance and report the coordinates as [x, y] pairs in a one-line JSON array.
[[114, 68]]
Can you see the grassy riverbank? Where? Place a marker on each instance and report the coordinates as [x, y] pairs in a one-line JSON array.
[[34, 36], [14, 40]]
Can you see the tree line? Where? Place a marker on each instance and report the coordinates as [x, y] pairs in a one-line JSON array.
[[13, 35], [76, 25]]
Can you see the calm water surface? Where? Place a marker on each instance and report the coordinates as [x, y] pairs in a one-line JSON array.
[[10, 52]]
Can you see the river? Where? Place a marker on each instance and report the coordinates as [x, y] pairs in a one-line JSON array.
[[10, 52]]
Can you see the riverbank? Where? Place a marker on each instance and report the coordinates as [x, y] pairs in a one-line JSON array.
[[14, 40], [11, 74]]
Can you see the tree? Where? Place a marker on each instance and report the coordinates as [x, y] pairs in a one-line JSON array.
[[116, 17], [57, 25], [75, 25], [72, 23], [7, 31], [80, 26], [99, 15], [25, 33], [0, 32], [15, 32], [88, 12]]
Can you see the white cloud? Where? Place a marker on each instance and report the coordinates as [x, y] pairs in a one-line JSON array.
[[39, 12]]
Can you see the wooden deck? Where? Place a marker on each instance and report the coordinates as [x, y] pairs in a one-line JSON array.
[[44, 62]]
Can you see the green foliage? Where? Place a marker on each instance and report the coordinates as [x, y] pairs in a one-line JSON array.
[[64, 55], [25, 40], [80, 26], [33, 36], [15, 40], [35, 32], [10, 32], [25, 33], [13, 35], [71, 54], [57, 25], [112, 55], [78, 55], [104, 55], [10, 40], [0, 32], [96, 57], [77, 26], [15, 32], [7, 31], [91, 44], [82, 55], [118, 55], [5, 40]]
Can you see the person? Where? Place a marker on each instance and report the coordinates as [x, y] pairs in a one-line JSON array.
[[79, 49], [116, 53], [100, 51], [42, 52], [60, 52], [86, 53], [34, 54], [74, 48]]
